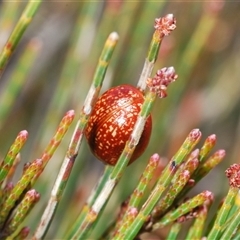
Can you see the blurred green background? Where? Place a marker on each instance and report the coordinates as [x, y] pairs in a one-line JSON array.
[[53, 66]]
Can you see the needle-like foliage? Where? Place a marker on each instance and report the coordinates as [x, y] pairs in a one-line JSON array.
[[47, 176]]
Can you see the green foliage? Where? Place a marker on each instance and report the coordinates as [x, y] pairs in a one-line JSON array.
[[55, 56]]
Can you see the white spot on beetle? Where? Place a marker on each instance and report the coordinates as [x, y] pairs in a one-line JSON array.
[[114, 133]]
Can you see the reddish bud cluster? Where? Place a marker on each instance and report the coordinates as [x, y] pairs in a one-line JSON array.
[[233, 174], [195, 134], [161, 80], [165, 24]]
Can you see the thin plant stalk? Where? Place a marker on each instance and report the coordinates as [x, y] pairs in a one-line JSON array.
[[174, 231], [68, 77], [184, 208], [28, 202], [85, 224], [232, 227], [34, 170], [204, 169], [89, 219], [196, 43], [17, 80], [139, 30], [137, 195], [55, 141], [91, 199], [5, 192], [76, 140], [8, 161], [196, 230], [164, 181], [207, 147], [187, 61], [13, 168], [234, 181], [19, 190], [209, 164], [22, 234], [17, 33], [154, 47], [164, 203], [144, 181], [164, 76], [9, 12]]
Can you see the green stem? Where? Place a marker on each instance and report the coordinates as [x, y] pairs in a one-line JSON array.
[[76, 140], [174, 231], [184, 208], [164, 181], [25, 206], [98, 206], [90, 201], [136, 197], [18, 79], [232, 227], [18, 31], [195, 232], [8, 161], [223, 213]]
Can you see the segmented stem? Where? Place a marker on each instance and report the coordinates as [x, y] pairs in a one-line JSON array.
[[204, 168], [196, 230], [184, 208], [22, 234], [19, 189], [55, 141], [207, 147], [32, 172], [129, 217], [8, 161], [223, 213], [164, 181], [167, 76], [173, 191], [76, 140], [174, 231], [18, 31], [209, 164], [233, 176], [30, 199], [163, 28], [17, 80], [138, 193], [232, 227]]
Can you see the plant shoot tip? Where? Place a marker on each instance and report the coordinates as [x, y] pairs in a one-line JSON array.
[[25, 231], [165, 24], [71, 112], [155, 157], [186, 173], [159, 83], [221, 153], [209, 195], [133, 211], [24, 132], [114, 36], [195, 153], [233, 174], [195, 134], [212, 137], [33, 194]]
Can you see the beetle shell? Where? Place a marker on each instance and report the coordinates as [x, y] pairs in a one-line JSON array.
[[112, 121]]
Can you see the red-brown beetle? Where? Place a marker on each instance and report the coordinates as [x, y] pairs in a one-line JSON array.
[[112, 121]]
